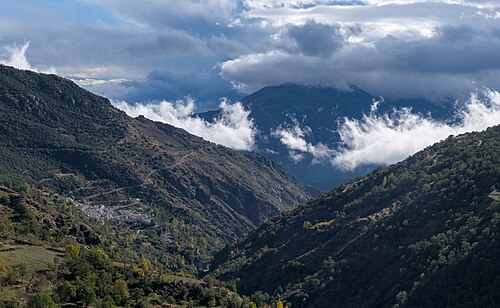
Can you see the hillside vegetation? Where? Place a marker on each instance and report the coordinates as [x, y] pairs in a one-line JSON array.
[[55, 135], [50, 254], [421, 233]]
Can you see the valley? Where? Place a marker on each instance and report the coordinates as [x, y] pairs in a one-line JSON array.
[[401, 236], [249, 154], [318, 111], [102, 209]]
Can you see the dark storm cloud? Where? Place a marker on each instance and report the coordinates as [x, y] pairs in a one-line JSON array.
[[207, 87], [223, 45], [315, 39], [456, 50], [390, 47], [172, 42]]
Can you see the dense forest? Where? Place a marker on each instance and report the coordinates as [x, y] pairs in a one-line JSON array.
[[420, 233]]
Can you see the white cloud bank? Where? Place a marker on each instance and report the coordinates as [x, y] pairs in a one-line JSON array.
[[233, 128], [389, 138], [16, 57]]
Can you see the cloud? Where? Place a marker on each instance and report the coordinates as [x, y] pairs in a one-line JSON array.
[[394, 48], [252, 72], [313, 39], [386, 139], [473, 3], [268, 4], [206, 87], [382, 139], [398, 49], [167, 43], [16, 57], [196, 15], [233, 128], [293, 137], [223, 45], [452, 63]]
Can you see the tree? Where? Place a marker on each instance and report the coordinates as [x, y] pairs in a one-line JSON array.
[[260, 298], [40, 300], [107, 303], [98, 258], [85, 293], [11, 277], [307, 225], [137, 294], [120, 291], [145, 264], [73, 250], [67, 291]]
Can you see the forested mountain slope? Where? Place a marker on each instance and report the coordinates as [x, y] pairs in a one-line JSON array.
[[56, 135], [421, 233]]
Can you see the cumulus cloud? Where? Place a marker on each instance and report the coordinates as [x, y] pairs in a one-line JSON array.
[[16, 57], [233, 128], [450, 64], [266, 4], [315, 39], [398, 49], [473, 3], [383, 139]]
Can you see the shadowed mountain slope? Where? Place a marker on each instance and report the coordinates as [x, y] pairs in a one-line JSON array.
[[318, 110], [59, 136], [420, 233]]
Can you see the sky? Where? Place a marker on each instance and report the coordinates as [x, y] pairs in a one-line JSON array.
[[148, 50], [168, 59]]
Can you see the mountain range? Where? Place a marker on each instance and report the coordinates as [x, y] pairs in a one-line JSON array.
[[420, 233], [318, 110], [101, 209], [61, 137]]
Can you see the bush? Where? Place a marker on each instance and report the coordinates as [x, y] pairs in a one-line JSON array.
[[40, 300]]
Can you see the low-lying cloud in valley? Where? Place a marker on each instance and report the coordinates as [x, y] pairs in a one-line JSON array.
[[382, 139], [233, 128]]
